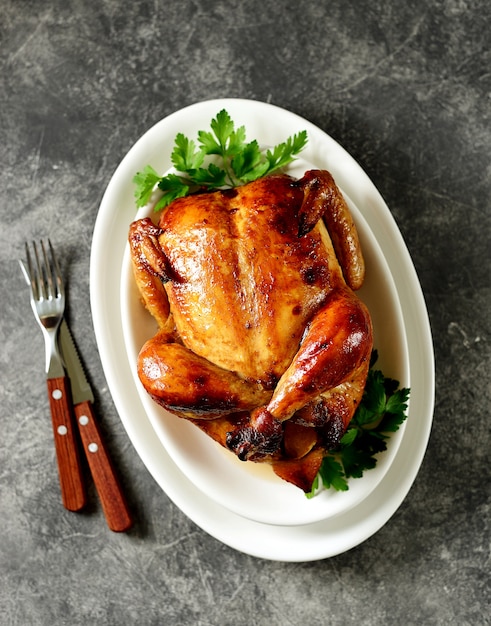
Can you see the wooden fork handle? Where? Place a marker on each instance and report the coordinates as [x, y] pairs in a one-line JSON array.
[[113, 502], [72, 485]]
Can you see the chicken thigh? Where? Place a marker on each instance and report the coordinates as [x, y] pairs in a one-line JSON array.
[[262, 342]]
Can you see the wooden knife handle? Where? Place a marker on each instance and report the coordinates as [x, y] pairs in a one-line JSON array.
[[72, 485], [110, 492]]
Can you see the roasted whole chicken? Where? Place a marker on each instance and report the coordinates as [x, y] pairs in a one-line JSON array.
[[262, 342]]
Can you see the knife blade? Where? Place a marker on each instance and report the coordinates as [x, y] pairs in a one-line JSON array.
[[108, 487]]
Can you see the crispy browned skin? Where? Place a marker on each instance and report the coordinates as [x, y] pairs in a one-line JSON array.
[[263, 343]]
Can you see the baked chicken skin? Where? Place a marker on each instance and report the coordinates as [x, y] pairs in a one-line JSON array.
[[262, 342]]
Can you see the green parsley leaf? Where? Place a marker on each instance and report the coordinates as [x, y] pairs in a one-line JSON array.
[[397, 403], [237, 141], [248, 165], [374, 397], [332, 475], [213, 177], [173, 188], [185, 157], [396, 410], [283, 153], [355, 460], [145, 182], [382, 410], [220, 158], [349, 436], [209, 143], [223, 127], [315, 485]]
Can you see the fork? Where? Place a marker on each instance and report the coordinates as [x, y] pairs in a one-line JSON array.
[[48, 304]]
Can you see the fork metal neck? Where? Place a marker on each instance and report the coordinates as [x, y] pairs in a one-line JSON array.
[[54, 362]]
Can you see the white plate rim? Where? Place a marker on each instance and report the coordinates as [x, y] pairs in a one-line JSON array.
[[294, 543]]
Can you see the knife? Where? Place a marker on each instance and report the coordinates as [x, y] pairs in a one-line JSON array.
[[113, 502]]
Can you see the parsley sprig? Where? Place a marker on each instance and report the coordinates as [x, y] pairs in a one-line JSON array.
[[382, 410], [218, 159]]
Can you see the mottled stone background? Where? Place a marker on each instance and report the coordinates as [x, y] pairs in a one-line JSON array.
[[405, 88]]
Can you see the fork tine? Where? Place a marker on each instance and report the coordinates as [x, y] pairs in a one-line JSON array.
[[25, 270], [56, 271], [42, 271], [38, 276], [48, 275], [28, 271]]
